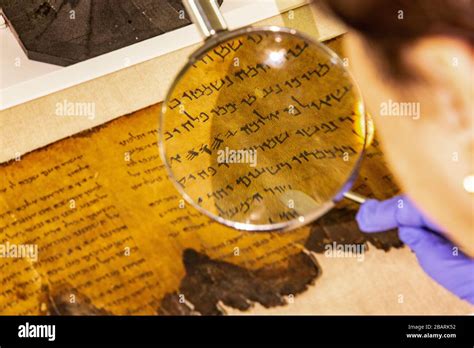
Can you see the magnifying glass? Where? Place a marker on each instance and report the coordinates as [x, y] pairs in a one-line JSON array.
[[264, 128]]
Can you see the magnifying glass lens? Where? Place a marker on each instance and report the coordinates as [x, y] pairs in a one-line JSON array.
[[263, 130]]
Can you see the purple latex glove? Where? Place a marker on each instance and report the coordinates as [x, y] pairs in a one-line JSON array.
[[438, 257]]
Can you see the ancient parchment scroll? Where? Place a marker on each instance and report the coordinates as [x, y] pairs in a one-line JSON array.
[[113, 236]]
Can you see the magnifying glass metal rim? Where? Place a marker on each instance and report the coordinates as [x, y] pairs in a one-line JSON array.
[[213, 41]]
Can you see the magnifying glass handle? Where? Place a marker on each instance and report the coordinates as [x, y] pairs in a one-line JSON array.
[[355, 197], [206, 15]]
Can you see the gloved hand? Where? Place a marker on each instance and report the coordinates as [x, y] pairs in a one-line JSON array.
[[438, 257]]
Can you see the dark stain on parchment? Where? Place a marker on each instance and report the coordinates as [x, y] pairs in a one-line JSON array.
[[339, 226], [208, 282]]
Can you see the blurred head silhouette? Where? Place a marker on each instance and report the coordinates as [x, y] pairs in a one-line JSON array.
[[413, 60]]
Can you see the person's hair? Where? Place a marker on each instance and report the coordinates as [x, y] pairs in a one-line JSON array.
[[388, 25]]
